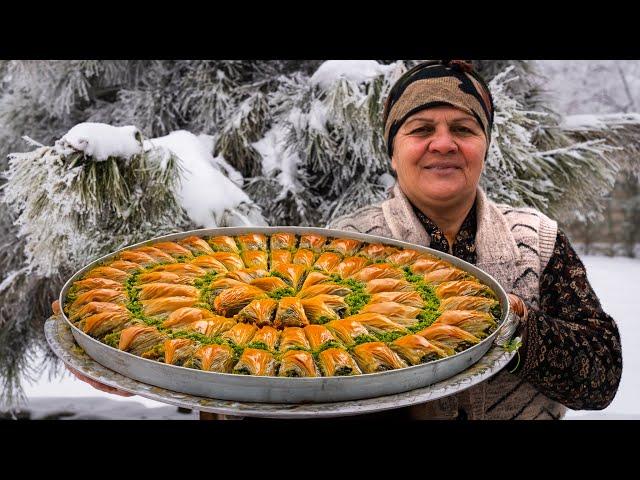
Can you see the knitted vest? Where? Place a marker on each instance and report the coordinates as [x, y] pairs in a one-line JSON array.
[[513, 245]]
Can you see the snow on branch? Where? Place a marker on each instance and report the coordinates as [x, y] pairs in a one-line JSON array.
[[621, 130], [533, 162]]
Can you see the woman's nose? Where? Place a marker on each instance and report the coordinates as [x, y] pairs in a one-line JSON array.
[[442, 142]]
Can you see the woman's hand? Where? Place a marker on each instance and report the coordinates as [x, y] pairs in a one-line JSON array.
[[97, 385], [517, 305], [55, 306]]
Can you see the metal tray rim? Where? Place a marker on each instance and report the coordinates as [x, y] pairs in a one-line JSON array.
[[491, 363]]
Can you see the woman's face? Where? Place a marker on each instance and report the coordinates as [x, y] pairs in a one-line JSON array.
[[438, 155]]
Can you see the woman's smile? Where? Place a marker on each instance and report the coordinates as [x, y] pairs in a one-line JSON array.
[[443, 168]]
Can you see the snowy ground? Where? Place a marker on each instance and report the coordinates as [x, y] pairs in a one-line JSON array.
[[614, 280], [69, 398]]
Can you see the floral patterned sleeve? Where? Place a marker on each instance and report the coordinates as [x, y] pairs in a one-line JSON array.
[[570, 347]]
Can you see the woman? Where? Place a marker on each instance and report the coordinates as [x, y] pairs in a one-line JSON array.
[[438, 119]]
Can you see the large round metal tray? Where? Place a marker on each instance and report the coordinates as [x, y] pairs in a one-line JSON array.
[[62, 342], [280, 390]]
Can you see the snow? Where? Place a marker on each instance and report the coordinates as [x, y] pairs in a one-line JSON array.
[[592, 86], [618, 298], [207, 141], [102, 141], [386, 180], [234, 175], [599, 122], [357, 71], [317, 118], [242, 112], [205, 192], [68, 394], [219, 162], [297, 119], [10, 278], [583, 122], [97, 408], [277, 158], [269, 148]]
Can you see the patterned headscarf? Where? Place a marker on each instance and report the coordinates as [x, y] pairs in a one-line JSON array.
[[437, 83]]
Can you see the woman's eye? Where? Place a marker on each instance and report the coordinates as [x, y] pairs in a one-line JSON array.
[[463, 130]]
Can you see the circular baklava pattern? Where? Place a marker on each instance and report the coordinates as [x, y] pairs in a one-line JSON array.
[[282, 305]]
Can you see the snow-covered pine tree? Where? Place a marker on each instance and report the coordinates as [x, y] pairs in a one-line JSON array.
[[619, 129], [324, 154], [98, 189], [593, 86], [598, 99], [70, 207], [527, 85], [532, 161], [73, 204], [622, 130], [556, 182]]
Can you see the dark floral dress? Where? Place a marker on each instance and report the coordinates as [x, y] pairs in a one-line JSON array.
[[571, 347]]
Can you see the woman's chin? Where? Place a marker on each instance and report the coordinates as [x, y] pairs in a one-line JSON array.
[[441, 198], [442, 191]]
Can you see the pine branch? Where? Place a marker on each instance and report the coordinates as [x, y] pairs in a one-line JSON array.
[[532, 162]]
